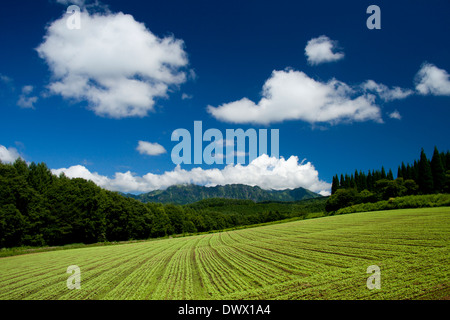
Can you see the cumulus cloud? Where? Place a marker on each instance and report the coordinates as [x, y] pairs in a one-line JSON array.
[[113, 62], [25, 100], [292, 95], [395, 115], [8, 155], [386, 93], [321, 50], [265, 172], [151, 149], [432, 80], [80, 171]]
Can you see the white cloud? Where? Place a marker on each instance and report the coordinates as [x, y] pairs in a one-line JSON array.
[[384, 92], [186, 96], [292, 95], [265, 172], [320, 50], [113, 62], [25, 101], [225, 142], [395, 115], [79, 171], [151, 149], [8, 155], [432, 80], [5, 79]]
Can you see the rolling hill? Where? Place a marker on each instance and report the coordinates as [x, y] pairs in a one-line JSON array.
[[184, 194]]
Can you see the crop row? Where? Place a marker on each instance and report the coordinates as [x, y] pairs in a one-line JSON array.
[[322, 258]]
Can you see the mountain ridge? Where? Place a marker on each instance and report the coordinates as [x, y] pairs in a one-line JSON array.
[[190, 193]]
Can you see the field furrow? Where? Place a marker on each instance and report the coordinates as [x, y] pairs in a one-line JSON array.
[[323, 258]]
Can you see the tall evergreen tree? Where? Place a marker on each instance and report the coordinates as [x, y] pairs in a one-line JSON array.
[[383, 173], [353, 182], [335, 184], [369, 181], [362, 181], [404, 171], [437, 171], [390, 175], [357, 184], [425, 177], [409, 173], [399, 172], [415, 171], [347, 181]]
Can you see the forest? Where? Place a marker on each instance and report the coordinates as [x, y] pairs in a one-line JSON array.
[[423, 177], [38, 208]]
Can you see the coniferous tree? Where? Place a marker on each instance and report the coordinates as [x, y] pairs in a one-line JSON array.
[[353, 182], [399, 172], [362, 181], [369, 181], [437, 171], [383, 173], [335, 184], [347, 181], [425, 177], [442, 154], [404, 171], [357, 184], [415, 171], [409, 173], [376, 176], [390, 175]]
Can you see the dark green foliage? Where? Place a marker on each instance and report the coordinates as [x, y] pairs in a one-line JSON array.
[[423, 177], [417, 201], [383, 173], [447, 161], [334, 184], [341, 198], [12, 225], [437, 171], [390, 175], [40, 209]]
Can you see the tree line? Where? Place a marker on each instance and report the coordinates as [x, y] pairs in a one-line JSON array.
[[424, 176], [38, 208]]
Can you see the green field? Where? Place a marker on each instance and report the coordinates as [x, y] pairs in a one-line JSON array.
[[323, 258]]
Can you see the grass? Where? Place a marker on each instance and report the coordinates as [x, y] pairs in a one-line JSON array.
[[323, 258]]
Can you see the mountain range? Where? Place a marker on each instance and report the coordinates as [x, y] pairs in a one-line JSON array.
[[184, 194]]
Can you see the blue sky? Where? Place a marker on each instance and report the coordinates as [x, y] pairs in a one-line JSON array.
[[81, 100]]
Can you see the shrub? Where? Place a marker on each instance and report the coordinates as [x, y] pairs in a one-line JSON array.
[[420, 201]]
